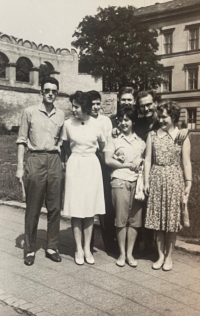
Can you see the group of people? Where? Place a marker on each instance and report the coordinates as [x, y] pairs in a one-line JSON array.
[[102, 159]]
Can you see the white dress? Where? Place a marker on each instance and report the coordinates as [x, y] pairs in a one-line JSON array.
[[84, 195]]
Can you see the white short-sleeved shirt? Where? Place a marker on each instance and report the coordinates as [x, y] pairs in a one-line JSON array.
[[105, 125], [83, 138], [132, 150]]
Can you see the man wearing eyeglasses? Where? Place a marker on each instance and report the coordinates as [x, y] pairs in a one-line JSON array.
[[40, 131], [146, 106]]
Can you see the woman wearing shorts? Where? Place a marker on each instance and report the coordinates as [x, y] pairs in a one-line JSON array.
[[124, 155]]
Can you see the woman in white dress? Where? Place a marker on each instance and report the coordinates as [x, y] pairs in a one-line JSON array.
[[84, 195]]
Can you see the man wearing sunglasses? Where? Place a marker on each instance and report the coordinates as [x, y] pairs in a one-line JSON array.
[[39, 131]]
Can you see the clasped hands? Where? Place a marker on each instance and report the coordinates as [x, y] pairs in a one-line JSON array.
[[132, 166]]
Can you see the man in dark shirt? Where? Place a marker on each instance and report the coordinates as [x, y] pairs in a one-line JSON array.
[[148, 117]]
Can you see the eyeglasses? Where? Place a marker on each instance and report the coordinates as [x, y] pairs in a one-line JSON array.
[[147, 105], [47, 91], [96, 103]]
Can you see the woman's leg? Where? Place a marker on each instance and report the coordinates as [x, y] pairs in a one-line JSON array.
[[131, 238], [77, 231], [170, 239], [160, 241], [88, 223], [121, 238]]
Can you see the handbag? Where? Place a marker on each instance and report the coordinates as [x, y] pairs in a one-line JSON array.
[[139, 191], [184, 212]]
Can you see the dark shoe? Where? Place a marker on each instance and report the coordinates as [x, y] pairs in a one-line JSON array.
[[54, 256], [29, 260]]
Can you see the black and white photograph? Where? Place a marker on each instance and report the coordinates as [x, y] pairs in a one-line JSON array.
[[100, 158]]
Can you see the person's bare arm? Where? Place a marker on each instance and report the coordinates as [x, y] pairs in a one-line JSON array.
[[20, 162], [187, 166], [113, 163], [147, 164]]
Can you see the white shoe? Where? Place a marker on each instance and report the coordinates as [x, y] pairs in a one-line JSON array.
[[167, 267], [120, 262], [157, 265], [79, 261], [90, 260]]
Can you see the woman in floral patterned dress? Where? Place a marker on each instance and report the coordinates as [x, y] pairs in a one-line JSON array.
[[166, 182]]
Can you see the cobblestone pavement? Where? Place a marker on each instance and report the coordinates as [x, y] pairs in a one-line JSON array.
[[49, 288]]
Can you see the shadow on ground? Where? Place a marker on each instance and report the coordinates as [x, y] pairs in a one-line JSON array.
[[67, 245]]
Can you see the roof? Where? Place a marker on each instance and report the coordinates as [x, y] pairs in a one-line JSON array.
[[166, 7]]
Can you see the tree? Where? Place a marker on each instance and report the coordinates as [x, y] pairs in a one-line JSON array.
[[116, 45]]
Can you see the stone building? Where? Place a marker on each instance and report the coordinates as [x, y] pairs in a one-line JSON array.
[[178, 26], [22, 66]]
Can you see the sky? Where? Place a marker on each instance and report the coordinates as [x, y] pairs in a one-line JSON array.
[[53, 22]]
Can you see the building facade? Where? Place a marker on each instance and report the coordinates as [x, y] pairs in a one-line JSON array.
[[178, 26], [23, 64]]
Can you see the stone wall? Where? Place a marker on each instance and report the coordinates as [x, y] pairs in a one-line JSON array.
[[12, 103], [17, 95], [63, 64]]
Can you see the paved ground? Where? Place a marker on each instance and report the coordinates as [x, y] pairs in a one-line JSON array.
[[49, 288]]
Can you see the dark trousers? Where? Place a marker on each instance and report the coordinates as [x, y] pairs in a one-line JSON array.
[[107, 220], [44, 179]]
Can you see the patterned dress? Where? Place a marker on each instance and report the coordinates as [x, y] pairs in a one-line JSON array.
[[166, 184]]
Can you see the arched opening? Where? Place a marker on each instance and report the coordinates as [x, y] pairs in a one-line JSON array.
[[23, 68], [46, 69], [3, 64]]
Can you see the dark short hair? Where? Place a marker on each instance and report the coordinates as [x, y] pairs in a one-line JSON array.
[[129, 112], [172, 109], [94, 95], [83, 99], [145, 93], [124, 90], [49, 80]]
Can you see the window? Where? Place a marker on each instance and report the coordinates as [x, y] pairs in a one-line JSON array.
[[193, 78], [191, 117], [167, 85], [168, 43], [23, 68], [3, 64], [194, 38]]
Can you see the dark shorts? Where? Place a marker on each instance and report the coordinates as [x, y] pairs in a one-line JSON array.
[[128, 211]]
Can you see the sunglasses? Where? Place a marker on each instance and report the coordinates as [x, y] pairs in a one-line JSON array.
[[96, 103], [47, 91]]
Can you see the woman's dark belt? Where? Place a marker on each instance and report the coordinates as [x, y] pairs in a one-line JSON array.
[[44, 151]]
